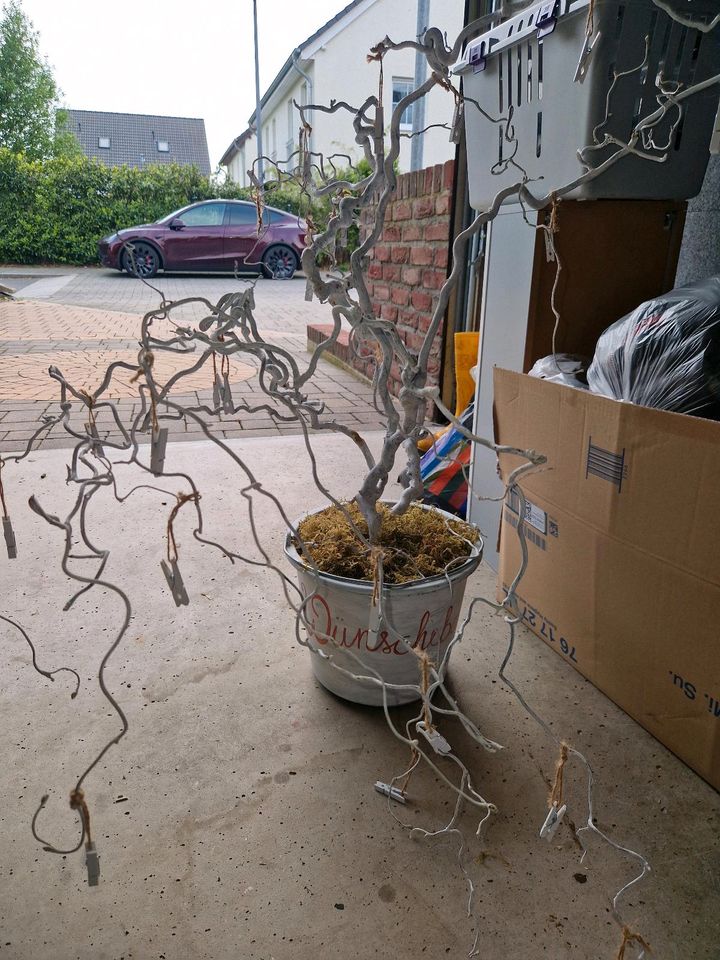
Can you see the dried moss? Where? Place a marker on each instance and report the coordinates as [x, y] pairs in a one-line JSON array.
[[415, 545]]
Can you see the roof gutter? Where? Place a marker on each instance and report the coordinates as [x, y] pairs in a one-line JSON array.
[[308, 80]]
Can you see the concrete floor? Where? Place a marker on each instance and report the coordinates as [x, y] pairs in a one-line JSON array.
[[237, 819]]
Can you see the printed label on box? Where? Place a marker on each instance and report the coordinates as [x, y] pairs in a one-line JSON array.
[[544, 628], [533, 514], [529, 533], [606, 464]]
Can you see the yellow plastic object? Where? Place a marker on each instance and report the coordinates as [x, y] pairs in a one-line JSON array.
[[466, 356], [466, 351]]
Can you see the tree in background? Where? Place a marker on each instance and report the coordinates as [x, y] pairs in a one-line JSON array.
[[65, 143], [28, 92]]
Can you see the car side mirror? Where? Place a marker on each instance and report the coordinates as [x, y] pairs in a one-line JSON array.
[[176, 224]]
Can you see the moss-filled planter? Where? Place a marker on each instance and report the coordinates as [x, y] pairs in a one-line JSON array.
[[420, 614]]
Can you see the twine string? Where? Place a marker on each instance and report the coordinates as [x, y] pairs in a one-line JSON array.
[[411, 769], [628, 936], [590, 21], [146, 365], [78, 802], [91, 413], [259, 207], [425, 675], [172, 548], [556, 794], [376, 558], [554, 225]]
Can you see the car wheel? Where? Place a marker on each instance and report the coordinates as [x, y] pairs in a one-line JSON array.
[[143, 261], [279, 263]]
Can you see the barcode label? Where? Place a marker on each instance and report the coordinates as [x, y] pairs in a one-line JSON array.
[[535, 538], [530, 534], [606, 465], [533, 514]]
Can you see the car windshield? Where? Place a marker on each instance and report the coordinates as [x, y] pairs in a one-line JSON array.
[[169, 216]]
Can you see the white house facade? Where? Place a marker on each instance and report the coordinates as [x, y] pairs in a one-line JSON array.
[[332, 64]]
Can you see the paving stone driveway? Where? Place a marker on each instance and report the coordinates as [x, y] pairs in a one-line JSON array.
[[82, 319]]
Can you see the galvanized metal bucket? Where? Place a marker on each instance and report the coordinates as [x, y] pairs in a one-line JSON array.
[[342, 622]]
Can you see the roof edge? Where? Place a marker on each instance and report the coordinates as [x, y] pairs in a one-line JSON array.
[[296, 53], [235, 145], [124, 113]]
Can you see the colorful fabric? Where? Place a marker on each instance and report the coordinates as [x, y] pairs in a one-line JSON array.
[[445, 468]]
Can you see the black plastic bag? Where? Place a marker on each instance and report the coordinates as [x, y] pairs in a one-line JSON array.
[[666, 353]]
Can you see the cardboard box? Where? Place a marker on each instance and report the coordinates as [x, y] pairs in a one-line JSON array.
[[623, 530]]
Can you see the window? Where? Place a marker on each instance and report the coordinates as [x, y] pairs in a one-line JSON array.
[[163, 146], [401, 88], [242, 214], [104, 143], [204, 215]]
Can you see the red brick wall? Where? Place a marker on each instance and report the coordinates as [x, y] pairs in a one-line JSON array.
[[410, 261]]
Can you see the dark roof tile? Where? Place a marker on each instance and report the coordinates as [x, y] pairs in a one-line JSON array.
[[134, 138]]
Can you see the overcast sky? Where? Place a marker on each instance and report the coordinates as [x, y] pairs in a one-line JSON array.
[[173, 57]]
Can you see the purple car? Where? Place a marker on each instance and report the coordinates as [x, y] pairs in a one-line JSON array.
[[212, 235]]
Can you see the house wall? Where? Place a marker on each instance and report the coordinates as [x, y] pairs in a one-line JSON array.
[[341, 71], [236, 169], [338, 68], [408, 266], [281, 119]]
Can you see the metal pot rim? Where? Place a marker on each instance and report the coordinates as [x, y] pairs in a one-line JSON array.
[[460, 572]]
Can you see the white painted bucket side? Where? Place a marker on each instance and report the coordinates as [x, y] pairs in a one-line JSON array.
[[424, 613]]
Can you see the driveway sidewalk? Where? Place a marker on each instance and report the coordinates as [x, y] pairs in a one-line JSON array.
[[81, 320]]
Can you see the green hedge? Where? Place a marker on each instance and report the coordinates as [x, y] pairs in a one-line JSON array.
[[56, 210]]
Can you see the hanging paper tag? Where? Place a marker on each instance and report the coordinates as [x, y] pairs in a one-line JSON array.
[[217, 392], [157, 450], [9, 538], [227, 400], [92, 432], [92, 862]]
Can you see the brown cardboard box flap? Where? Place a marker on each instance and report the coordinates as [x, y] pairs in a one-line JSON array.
[[643, 476]]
